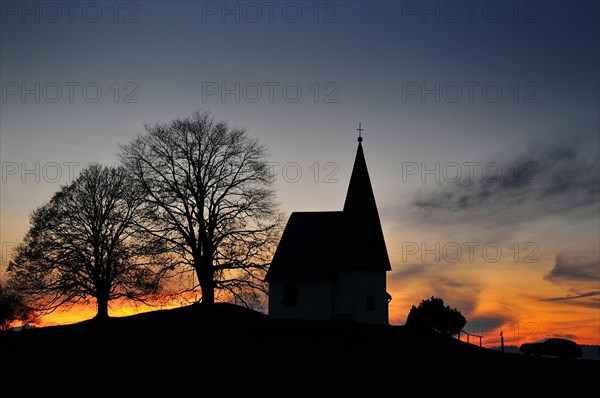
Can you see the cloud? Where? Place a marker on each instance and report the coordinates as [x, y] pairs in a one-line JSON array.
[[408, 271], [463, 295], [564, 335], [572, 297], [450, 283], [488, 327], [434, 280], [588, 299], [565, 270], [548, 179], [578, 271], [483, 323]]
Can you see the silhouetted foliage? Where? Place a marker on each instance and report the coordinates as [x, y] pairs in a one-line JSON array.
[[431, 314], [13, 307], [83, 245], [209, 198]]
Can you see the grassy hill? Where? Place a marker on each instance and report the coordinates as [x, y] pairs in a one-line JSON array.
[[199, 344]]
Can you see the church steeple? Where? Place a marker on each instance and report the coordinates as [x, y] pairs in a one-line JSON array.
[[363, 236], [360, 130]]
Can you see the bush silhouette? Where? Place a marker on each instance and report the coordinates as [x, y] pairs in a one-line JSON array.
[[431, 314]]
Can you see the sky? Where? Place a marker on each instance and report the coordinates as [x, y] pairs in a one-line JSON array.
[[481, 129]]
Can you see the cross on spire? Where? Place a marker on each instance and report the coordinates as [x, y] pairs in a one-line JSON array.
[[360, 130]]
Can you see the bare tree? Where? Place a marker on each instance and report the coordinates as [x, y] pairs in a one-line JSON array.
[[82, 245], [209, 198]]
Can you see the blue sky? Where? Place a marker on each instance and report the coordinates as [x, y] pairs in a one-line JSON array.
[[435, 84]]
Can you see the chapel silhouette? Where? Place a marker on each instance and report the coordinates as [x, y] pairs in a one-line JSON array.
[[332, 265]]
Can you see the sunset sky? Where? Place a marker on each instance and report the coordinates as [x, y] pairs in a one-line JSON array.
[[481, 129]]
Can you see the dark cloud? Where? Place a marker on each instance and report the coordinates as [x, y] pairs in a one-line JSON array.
[[566, 270], [488, 327], [404, 273], [576, 298], [573, 297], [564, 335], [407, 271], [463, 295], [480, 323], [451, 283], [548, 179]]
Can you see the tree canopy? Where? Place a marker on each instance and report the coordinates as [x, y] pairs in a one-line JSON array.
[[431, 314], [13, 307], [209, 198], [84, 245]]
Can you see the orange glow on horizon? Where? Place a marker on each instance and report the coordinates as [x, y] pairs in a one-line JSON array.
[[79, 313], [507, 297], [542, 321]]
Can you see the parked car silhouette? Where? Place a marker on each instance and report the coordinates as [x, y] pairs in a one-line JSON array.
[[561, 348]]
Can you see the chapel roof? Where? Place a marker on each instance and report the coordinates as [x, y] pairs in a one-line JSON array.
[[318, 244]]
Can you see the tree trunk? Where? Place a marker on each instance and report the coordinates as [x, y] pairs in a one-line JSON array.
[[102, 313], [207, 283]]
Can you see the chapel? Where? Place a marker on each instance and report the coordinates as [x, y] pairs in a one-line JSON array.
[[331, 265]]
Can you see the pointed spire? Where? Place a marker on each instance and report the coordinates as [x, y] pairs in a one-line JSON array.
[[364, 242]]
